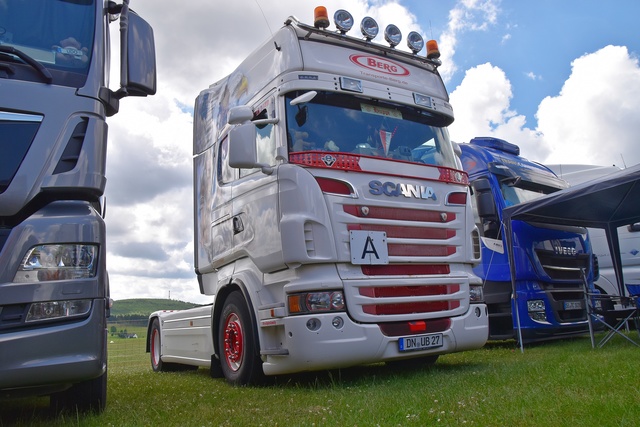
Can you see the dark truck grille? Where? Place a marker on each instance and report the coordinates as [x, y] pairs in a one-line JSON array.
[[566, 297], [563, 267], [16, 135]]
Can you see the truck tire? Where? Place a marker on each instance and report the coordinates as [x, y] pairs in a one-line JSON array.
[[86, 396], [155, 346], [155, 350], [237, 346]]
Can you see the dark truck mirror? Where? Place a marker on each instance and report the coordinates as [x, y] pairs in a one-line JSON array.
[[138, 60], [486, 208]]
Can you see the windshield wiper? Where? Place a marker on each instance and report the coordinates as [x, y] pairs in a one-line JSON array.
[[29, 60]]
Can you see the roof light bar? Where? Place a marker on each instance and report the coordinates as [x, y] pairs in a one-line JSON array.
[[343, 20], [369, 28], [415, 42], [392, 35]]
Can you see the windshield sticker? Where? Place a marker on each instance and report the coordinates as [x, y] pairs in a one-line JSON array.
[[381, 111]]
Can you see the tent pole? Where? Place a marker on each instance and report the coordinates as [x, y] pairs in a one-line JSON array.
[[512, 271]]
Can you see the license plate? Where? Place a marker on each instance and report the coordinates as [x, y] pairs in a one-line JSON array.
[[573, 305], [420, 342]]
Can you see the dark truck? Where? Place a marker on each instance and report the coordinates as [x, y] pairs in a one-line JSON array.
[[54, 100]]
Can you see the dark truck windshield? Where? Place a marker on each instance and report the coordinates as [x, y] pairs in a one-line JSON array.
[[56, 33], [334, 122]]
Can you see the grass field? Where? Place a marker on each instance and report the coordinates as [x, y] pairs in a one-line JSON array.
[[561, 383]]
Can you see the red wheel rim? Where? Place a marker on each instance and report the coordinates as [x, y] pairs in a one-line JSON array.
[[233, 341], [155, 347]]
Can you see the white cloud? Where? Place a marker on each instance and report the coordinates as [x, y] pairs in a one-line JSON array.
[[482, 108], [594, 118], [532, 76], [467, 15]]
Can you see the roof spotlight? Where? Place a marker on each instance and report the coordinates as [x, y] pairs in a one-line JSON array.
[[415, 42], [343, 20], [369, 28], [392, 35]]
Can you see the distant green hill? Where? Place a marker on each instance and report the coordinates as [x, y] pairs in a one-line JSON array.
[[143, 307]]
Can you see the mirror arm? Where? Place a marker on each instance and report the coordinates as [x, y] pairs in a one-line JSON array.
[[261, 122]]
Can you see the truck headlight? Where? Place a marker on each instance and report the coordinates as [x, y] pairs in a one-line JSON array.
[[476, 293], [44, 263], [316, 302]]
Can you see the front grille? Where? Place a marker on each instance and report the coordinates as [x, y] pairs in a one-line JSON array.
[[563, 267], [17, 132], [421, 245]]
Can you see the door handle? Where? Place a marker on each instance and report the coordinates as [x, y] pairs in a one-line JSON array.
[[237, 225]]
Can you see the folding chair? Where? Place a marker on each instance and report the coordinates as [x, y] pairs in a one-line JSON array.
[[613, 313]]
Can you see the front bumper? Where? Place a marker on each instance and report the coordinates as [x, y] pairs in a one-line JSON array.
[[54, 356], [354, 343]]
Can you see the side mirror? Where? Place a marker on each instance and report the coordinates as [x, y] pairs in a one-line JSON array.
[[138, 56], [486, 205], [242, 147]]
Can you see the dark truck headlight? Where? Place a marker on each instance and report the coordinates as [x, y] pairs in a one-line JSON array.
[[45, 263]]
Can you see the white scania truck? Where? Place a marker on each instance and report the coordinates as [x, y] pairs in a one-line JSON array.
[[54, 99], [333, 222]]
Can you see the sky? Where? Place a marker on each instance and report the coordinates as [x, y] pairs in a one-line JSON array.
[[559, 78]]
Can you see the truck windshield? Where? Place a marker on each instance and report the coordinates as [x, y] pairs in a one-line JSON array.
[[57, 34], [523, 192], [333, 122]]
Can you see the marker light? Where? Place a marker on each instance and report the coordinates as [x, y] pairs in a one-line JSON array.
[[58, 309], [432, 50], [369, 28], [415, 42], [320, 17], [392, 35], [343, 20]]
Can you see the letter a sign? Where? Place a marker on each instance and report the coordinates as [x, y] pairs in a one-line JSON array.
[[368, 247]]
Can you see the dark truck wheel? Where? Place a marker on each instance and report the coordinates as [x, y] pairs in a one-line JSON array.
[[237, 347]]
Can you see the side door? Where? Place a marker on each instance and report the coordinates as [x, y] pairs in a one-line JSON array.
[[221, 245], [255, 210]]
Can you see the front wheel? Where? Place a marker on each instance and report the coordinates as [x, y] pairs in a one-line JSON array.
[[237, 346], [155, 349]]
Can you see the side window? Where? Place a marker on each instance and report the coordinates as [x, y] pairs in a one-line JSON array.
[[226, 173], [265, 135]]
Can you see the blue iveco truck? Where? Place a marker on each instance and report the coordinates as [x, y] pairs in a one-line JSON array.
[[548, 258], [54, 100]]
